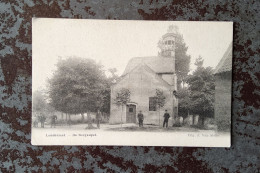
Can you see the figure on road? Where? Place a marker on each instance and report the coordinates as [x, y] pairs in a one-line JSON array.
[[166, 118], [42, 120], [140, 119]]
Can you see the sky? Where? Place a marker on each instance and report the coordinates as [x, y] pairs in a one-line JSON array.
[[114, 42]]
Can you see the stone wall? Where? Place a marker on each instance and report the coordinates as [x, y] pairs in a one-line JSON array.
[[142, 84]]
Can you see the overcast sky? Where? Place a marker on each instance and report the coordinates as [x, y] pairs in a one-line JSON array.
[[114, 43]]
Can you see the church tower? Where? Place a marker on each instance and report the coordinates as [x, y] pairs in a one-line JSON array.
[[168, 42], [167, 46]]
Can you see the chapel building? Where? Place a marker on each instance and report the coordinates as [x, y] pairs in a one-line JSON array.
[[142, 76]]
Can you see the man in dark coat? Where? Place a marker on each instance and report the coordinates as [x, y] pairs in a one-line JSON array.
[[166, 118], [53, 120], [42, 120], [140, 119]]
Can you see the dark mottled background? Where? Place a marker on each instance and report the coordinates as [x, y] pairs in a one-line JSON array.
[[16, 152]]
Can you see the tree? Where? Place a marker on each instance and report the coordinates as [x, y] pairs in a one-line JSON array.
[[122, 98], [160, 101], [182, 61], [77, 86], [39, 103], [112, 78], [184, 102], [41, 108], [202, 88]]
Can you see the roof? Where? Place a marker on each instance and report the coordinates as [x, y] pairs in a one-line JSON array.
[[156, 63], [225, 64], [148, 69]]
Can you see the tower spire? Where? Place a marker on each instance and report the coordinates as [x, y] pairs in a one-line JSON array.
[[173, 29]]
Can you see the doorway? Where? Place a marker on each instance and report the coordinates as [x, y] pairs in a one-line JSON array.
[[131, 113]]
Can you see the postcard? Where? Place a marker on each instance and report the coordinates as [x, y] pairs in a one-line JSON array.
[[131, 83]]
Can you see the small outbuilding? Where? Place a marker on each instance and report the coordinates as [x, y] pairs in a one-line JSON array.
[[223, 90]]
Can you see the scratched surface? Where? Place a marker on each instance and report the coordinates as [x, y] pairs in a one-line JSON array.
[[16, 152]]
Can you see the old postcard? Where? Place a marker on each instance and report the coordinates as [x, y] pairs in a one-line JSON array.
[[133, 83]]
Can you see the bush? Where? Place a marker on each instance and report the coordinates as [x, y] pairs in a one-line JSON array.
[[176, 125]]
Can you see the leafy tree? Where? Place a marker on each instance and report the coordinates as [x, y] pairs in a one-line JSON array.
[[122, 98], [202, 88], [160, 101], [39, 103], [77, 86], [184, 102], [112, 78], [41, 108], [182, 60]]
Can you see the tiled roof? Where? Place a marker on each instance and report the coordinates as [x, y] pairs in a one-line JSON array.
[[156, 63], [225, 64], [146, 68]]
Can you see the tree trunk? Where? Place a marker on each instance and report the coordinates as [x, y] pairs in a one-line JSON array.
[[69, 120], [202, 121], [159, 117], [89, 120], [82, 117], [193, 117], [122, 116], [66, 118]]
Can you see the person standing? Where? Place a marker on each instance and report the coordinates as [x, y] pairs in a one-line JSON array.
[[140, 119], [42, 120], [166, 118], [53, 120]]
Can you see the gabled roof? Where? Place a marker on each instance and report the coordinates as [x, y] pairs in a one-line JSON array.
[[225, 64], [148, 69], [156, 63], [156, 76]]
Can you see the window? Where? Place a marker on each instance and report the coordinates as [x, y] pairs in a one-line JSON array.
[[152, 103], [169, 42], [131, 110]]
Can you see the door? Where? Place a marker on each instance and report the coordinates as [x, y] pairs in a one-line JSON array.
[[131, 114]]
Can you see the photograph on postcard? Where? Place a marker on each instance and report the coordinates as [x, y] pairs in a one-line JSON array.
[[131, 83]]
